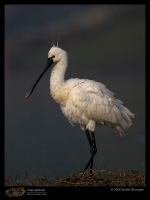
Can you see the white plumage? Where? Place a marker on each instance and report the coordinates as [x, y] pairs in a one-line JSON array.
[[85, 102]]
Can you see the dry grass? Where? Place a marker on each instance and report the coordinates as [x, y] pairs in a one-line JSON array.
[[95, 178]]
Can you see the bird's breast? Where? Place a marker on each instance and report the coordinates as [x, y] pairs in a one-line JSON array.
[[60, 95]]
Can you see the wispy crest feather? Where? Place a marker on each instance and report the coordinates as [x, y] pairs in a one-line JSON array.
[[53, 44], [71, 55], [58, 41]]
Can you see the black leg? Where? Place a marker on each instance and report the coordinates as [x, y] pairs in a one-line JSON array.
[[93, 150]]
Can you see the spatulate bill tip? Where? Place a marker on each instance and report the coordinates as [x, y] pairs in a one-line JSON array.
[[26, 97]]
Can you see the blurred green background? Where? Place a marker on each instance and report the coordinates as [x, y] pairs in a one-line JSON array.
[[108, 43]]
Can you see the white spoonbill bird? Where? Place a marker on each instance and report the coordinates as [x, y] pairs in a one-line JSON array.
[[84, 102]]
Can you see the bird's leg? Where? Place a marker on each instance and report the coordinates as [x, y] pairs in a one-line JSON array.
[[93, 150]]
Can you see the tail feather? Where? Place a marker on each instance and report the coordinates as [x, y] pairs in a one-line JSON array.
[[127, 118], [119, 130], [127, 111], [125, 121]]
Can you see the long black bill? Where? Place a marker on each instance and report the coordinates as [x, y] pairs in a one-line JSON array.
[[48, 64]]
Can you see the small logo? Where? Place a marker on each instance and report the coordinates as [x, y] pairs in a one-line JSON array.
[[15, 192]]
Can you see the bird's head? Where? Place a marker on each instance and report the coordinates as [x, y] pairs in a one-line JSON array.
[[57, 54]]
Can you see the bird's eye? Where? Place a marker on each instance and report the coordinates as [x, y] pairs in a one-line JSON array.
[[53, 56]]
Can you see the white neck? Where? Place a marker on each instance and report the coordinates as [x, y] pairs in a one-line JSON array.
[[57, 81], [58, 73]]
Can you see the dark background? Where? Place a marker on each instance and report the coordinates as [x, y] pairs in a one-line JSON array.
[[108, 43]]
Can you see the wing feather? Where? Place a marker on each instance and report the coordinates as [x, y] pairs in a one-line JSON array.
[[91, 101], [98, 103]]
